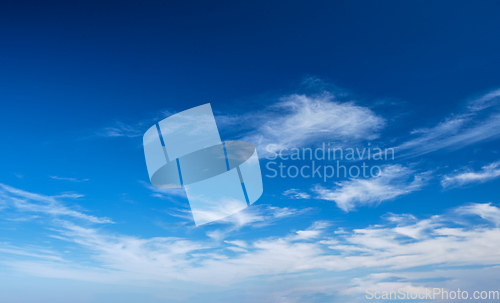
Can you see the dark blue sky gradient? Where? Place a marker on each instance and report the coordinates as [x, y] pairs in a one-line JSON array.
[[116, 58]]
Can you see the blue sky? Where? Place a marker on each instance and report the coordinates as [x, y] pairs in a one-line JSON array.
[[81, 82]]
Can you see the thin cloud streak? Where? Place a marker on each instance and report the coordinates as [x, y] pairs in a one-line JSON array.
[[132, 130], [295, 193], [393, 181], [472, 126], [23, 201], [487, 173], [68, 179]]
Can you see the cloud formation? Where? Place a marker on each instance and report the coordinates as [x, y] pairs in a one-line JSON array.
[[487, 173], [68, 179], [486, 211], [393, 181], [26, 202], [295, 193], [380, 252], [301, 120], [132, 130], [475, 124]]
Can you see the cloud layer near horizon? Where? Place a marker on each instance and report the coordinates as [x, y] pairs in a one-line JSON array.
[[400, 243]]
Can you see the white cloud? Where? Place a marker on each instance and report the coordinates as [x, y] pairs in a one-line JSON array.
[[256, 216], [472, 126], [27, 202], [452, 134], [165, 193], [435, 245], [68, 179], [238, 243], [132, 130], [399, 218], [296, 194], [485, 101], [69, 196], [121, 129], [38, 253], [422, 243], [392, 182], [403, 245], [485, 211], [300, 120], [487, 173]]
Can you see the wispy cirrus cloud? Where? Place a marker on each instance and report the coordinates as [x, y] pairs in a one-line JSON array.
[[26, 202], [42, 254], [68, 179], [301, 120], [262, 215], [257, 216], [121, 129], [295, 193], [165, 193], [457, 179], [408, 243], [435, 245], [485, 211], [393, 181], [485, 101], [69, 195], [474, 124], [132, 130]]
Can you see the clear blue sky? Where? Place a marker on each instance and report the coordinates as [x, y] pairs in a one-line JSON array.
[[80, 82]]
